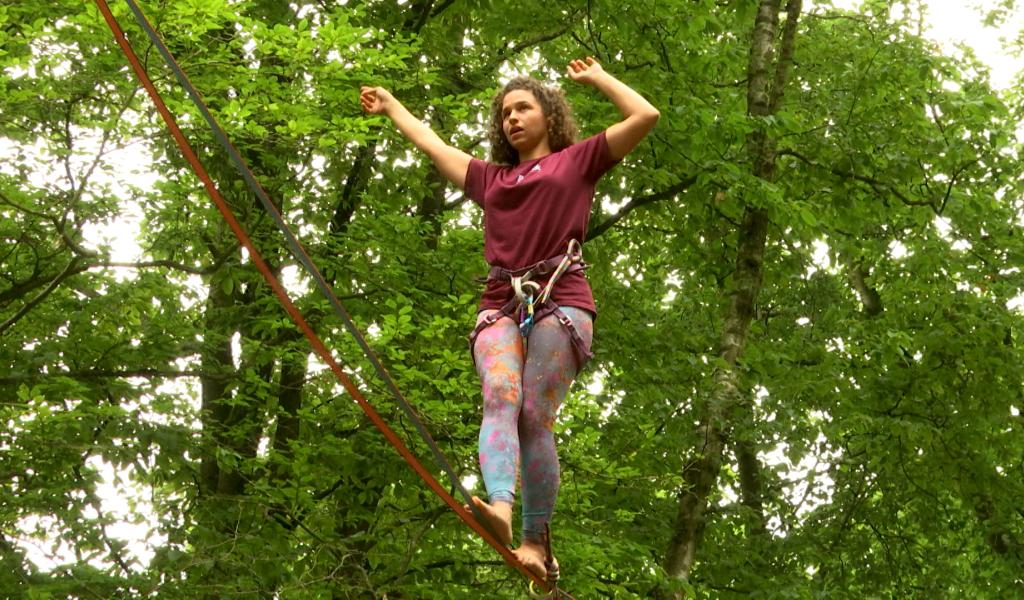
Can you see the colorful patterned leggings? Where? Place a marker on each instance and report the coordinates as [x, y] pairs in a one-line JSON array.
[[522, 390]]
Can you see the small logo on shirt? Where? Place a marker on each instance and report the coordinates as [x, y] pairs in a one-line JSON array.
[[535, 169]]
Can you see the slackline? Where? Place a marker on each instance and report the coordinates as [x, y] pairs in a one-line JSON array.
[[473, 518]]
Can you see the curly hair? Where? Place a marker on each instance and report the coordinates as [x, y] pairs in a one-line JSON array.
[[561, 129]]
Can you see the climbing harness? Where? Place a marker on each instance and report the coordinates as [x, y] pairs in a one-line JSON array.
[[527, 307], [471, 517]]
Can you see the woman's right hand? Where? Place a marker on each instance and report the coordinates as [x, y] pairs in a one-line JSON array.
[[375, 100], [450, 161]]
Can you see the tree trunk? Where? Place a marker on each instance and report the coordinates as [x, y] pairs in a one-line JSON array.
[[700, 475], [432, 204], [216, 361], [868, 295]]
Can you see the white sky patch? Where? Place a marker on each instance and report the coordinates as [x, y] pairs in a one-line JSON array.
[[673, 281], [760, 393], [837, 345], [185, 390], [624, 272], [120, 236], [468, 214], [961, 245], [294, 280], [36, 151], [944, 227], [305, 11], [524, 64], [122, 500], [317, 164], [806, 481], [963, 286], [820, 259], [48, 57], [39, 538], [897, 250], [236, 349], [475, 130], [127, 502], [950, 24], [729, 494], [612, 406], [821, 256], [120, 171], [596, 384], [408, 160], [315, 366], [194, 291], [608, 206]]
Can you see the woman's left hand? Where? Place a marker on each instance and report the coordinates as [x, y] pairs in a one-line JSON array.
[[585, 72]]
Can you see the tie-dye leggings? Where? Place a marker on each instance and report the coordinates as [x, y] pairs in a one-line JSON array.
[[523, 386]]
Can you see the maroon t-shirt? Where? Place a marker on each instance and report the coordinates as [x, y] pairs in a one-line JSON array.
[[533, 209]]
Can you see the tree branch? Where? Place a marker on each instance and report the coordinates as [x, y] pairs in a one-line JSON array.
[[93, 374], [505, 53], [636, 203], [876, 185], [168, 264], [68, 271], [868, 295]]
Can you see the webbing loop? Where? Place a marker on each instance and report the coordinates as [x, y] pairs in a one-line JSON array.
[[573, 254], [551, 567]]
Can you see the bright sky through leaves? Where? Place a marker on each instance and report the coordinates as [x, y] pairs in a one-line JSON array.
[[836, 391]]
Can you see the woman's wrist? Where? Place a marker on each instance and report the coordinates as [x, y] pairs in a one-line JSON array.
[[604, 81]]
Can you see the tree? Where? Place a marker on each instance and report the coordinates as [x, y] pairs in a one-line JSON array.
[[807, 379]]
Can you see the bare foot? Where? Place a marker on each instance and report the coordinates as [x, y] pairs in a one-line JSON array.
[[497, 517], [532, 555]]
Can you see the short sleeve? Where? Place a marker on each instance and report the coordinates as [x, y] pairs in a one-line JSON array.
[[479, 176], [593, 156]]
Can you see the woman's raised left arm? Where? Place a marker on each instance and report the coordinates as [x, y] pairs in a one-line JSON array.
[[639, 116]]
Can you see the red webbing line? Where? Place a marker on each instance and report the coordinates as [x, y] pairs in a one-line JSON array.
[[289, 306], [300, 254]]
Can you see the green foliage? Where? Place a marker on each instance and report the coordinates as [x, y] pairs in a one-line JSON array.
[[888, 442]]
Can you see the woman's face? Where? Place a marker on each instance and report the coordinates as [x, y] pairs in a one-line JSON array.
[[523, 120]]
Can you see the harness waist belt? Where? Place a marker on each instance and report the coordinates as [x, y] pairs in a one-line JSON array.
[[528, 307], [540, 269]]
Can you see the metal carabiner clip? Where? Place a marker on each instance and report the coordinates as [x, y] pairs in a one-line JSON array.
[[535, 595]]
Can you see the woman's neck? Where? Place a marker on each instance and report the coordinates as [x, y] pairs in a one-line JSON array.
[[539, 151]]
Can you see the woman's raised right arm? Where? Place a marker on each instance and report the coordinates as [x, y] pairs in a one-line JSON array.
[[450, 161]]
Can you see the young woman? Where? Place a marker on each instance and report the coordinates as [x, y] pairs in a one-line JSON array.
[[530, 342]]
